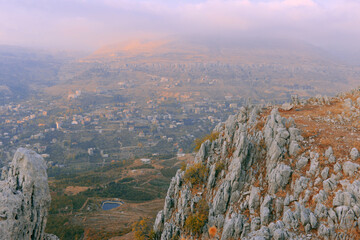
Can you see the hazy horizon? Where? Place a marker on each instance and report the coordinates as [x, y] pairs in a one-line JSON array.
[[86, 25]]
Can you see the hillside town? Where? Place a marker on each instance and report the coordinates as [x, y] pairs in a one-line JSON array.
[[73, 130]]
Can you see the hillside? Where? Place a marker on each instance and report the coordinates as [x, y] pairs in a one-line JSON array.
[[198, 68], [77, 212], [182, 50], [272, 173], [211, 68], [24, 70]]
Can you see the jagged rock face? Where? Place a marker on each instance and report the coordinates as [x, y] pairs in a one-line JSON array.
[[24, 198], [274, 183]]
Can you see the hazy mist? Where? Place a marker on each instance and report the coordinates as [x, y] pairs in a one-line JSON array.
[[89, 24]]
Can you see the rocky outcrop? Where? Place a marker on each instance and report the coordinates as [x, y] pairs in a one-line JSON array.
[[24, 198], [272, 183]]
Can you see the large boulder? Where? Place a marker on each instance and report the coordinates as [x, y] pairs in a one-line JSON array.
[[350, 168], [24, 197]]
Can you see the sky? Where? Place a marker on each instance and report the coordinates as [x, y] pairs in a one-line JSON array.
[[90, 24]]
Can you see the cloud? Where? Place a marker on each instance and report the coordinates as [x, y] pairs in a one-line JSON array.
[[299, 3], [88, 24]]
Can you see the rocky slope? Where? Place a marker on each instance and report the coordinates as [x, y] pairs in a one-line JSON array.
[[24, 198], [272, 173]]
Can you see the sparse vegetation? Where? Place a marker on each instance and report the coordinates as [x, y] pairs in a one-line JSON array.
[[196, 173], [101, 184], [169, 172], [143, 229], [64, 203], [144, 166], [61, 226], [219, 166], [230, 152], [120, 190], [103, 234], [183, 166], [196, 221], [211, 137]]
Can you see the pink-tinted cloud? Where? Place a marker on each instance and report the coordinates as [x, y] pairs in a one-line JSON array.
[[299, 3], [88, 24]]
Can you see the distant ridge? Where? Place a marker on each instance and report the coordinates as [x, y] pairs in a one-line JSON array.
[[242, 51]]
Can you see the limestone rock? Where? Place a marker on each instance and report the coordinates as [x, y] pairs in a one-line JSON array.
[[332, 159], [329, 185], [313, 220], [266, 210], [255, 224], [294, 148], [170, 232], [24, 197], [337, 167], [321, 196], [321, 211], [287, 106], [314, 164], [233, 227], [325, 173], [300, 185], [159, 222], [279, 177], [348, 103], [264, 192], [350, 168], [280, 234], [302, 162], [295, 134], [168, 207], [211, 180], [329, 152], [221, 198], [354, 154], [50, 237], [304, 216], [262, 234], [290, 219], [254, 200]]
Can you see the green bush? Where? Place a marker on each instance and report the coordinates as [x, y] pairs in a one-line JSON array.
[[144, 166], [196, 173], [127, 191], [61, 226], [169, 172], [65, 203]]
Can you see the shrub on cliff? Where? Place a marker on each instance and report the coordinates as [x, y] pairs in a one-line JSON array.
[[211, 137], [195, 174], [143, 229], [196, 221]]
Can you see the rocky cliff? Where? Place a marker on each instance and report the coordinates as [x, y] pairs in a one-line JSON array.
[[24, 198], [272, 173]]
